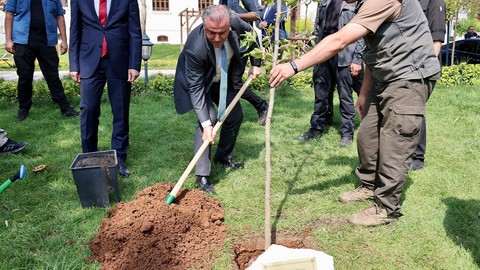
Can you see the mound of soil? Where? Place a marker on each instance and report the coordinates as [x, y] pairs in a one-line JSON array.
[[146, 233]]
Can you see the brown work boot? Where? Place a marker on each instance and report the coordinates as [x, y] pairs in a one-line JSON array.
[[372, 216], [361, 193]]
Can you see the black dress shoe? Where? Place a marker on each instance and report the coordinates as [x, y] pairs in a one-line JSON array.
[[417, 165], [262, 114], [229, 162], [311, 134], [203, 183], [69, 112], [123, 170], [22, 115]]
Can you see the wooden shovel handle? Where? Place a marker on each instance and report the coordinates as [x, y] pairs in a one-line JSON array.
[[205, 144]]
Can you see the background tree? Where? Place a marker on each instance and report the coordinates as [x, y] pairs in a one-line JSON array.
[[474, 9], [143, 15]]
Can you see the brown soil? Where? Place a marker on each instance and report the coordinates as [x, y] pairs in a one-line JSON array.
[[248, 248], [100, 161], [146, 233]]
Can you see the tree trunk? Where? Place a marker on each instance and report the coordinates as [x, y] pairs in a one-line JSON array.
[[293, 20], [143, 16], [454, 37], [268, 165]]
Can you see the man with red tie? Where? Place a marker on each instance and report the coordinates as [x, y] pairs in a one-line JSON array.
[[105, 48]]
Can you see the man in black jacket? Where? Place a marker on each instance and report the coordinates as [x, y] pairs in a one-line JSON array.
[[434, 10], [198, 79], [471, 33], [343, 71]]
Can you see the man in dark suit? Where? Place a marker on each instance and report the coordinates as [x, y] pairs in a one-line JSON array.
[[471, 33], [105, 47], [197, 85], [270, 16]]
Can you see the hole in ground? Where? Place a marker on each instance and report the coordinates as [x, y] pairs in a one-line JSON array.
[[247, 248]]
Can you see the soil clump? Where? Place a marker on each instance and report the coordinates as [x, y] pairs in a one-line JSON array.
[[146, 233]]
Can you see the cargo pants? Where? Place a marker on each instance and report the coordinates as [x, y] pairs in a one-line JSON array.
[[388, 135]]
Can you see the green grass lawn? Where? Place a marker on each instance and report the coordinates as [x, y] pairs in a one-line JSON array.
[[44, 227]]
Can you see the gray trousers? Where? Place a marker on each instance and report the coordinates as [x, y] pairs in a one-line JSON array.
[[228, 132], [3, 137], [388, 135]]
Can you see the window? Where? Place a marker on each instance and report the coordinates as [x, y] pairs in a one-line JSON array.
[[202, 4], [162, 38], [160, 5], [466, 46]]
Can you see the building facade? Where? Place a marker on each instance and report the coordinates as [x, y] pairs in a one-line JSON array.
[[167, 21]]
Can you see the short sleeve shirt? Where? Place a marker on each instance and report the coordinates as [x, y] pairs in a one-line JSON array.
[[374, 13], [435, 11]]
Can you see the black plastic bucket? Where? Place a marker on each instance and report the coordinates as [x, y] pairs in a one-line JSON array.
[[95, 175]]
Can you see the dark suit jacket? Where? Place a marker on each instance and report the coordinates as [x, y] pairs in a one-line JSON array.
[[196, 69], [124, 40], [270, 17], [353, 52]]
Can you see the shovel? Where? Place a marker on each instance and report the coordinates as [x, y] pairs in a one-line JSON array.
[[19, 175], [205, 144]]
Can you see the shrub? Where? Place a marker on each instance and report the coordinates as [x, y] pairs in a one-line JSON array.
[[158, 84], [462, 74], [8, 90], [301, 81]]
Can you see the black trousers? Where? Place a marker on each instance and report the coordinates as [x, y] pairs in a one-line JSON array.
[[325, 76], [228, 133], [355, 83], [422, 144], [47, 57], [259, 103]]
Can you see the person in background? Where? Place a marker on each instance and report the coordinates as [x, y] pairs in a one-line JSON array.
[[471, 33], [344, 71], [10, 146], [435, 11], [269, 17], [250, 12], [105, 48], [200, 82], [400, 68], [31, 34]]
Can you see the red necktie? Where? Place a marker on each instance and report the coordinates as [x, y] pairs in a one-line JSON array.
[[102, 15]]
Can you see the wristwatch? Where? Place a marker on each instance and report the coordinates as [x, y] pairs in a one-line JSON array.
[[294, 66]]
